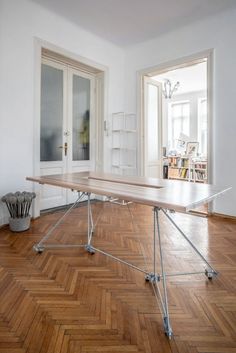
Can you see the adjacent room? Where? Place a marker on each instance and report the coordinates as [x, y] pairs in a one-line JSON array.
[[117, 179]]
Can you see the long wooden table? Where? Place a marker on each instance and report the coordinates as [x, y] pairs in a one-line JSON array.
[[170, 194], [162, 195]]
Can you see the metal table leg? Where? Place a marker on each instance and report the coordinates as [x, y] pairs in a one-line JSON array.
[[39, 248], [210, 272], [156, 278], [88, 246]]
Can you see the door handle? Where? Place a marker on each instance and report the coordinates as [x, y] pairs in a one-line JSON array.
[[65, 147]]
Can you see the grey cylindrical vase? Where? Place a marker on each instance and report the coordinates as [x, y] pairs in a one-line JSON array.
[[19, 224]]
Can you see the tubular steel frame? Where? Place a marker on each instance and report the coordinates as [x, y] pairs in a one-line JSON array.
[[153, 277]]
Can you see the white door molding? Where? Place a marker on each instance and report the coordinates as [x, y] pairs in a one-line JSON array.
[[100, 73]]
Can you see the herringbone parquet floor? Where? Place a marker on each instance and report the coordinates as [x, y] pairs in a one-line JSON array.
[[68, 301]]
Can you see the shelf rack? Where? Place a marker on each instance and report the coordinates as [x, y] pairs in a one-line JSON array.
[[124, 143], [187, 168]]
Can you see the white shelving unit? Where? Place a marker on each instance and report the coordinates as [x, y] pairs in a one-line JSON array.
[[124, 143]]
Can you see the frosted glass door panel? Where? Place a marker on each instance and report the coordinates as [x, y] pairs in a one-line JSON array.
[[152, 123], [51, 114], [81, 118]]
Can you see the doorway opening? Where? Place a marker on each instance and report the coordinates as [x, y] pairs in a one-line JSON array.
[[184, 122], [176, 120]]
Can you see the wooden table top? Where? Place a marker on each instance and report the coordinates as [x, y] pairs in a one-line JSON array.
[[170, 194]]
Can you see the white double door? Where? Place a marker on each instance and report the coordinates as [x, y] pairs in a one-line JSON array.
[[67, 127]]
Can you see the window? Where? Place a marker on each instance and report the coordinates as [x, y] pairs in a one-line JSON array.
[[202, 126], [179, 113]]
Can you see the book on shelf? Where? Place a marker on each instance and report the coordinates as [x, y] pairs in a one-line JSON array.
[[186, 168]]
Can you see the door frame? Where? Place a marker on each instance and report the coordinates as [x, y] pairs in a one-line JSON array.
[[148, 80], [101, 106], [172, 65]]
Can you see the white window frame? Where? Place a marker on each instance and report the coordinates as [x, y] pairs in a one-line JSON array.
[[170, 120]]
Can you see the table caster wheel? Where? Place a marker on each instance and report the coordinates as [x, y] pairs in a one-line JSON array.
[[90, 249], [151, 277], [38, 249], [167, 328], [147, 278], [210, 274]]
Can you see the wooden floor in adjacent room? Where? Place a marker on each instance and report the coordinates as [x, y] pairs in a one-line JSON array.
[[68, 301]]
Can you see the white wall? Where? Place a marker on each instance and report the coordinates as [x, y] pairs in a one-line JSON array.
[[20, 22], [218, 33]]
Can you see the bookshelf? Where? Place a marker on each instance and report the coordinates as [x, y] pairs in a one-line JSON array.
[[186, 168], [124, 143]]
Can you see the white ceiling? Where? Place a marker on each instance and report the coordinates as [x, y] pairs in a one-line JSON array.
[[191, 78], [128, 22]]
